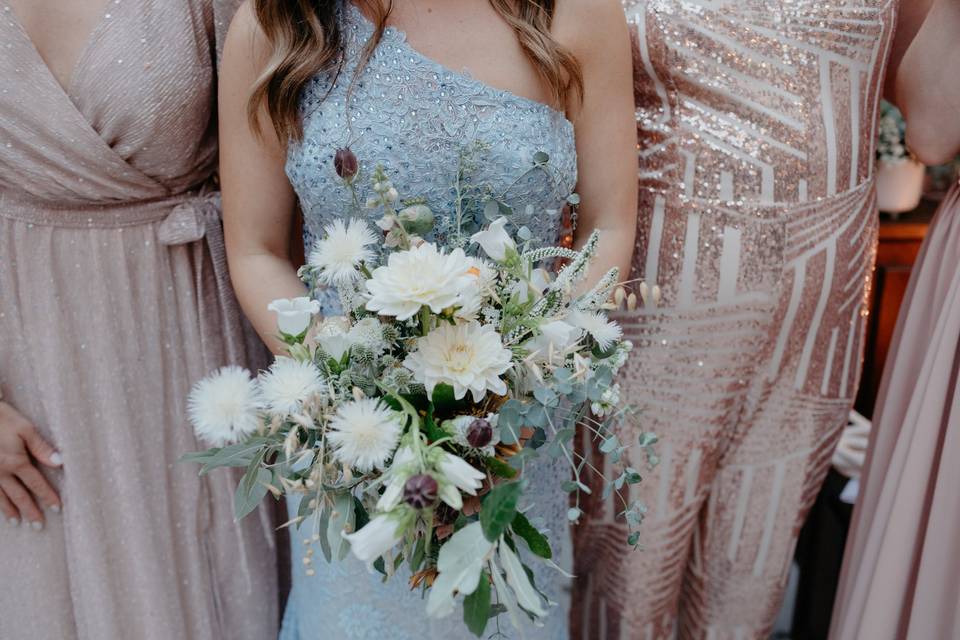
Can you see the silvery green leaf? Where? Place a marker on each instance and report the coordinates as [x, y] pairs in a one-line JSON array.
[[541, 157], [573, 198], [248, 495], [610, 444], [647, 439], [546, 396], [607, 490], [555, 450], [236, 455], [536, 416], [573, 514], [491, 210], [524, 233], [517, 578], [505, 595], [569, 486], [460, 565], [341, 516]]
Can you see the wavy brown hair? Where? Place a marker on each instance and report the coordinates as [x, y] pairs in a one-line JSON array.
[[305, 39]]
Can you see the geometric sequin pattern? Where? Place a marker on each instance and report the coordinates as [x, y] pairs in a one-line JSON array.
[[756, 123]]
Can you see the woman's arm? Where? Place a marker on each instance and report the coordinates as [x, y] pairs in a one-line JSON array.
[[596, 33], [258, 202], [928, 85], [910, 16]]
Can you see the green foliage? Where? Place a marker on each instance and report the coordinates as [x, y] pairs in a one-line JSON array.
[[251, 490], [536, 541], [499, 509], [476, 606], [500, 468]]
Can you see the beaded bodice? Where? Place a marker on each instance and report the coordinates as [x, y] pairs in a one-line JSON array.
[[427, 124]]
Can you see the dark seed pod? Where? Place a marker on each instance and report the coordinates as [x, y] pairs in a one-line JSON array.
[[420, 491], [480, 433], [345, 164]]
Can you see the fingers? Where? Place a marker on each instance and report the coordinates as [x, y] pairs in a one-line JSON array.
[[21, 498], [31, 477], [9, 511], [40, 448]]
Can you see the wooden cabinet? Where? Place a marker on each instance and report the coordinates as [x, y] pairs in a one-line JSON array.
[[899, 245]]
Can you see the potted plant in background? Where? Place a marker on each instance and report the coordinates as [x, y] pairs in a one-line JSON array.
[[899, 174]]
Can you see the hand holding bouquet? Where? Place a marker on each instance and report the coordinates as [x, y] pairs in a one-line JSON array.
[[407, 422]]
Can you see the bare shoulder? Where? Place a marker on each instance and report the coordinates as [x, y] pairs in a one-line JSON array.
[[246, 44], [591, 29]]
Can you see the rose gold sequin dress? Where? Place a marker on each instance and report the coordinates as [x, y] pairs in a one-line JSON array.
[[113, 301], [758, 221]]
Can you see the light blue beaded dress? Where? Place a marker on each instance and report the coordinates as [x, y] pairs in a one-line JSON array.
[[422, 122]]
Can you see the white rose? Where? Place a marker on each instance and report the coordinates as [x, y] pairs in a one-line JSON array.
[[494, 240], [294, 315]]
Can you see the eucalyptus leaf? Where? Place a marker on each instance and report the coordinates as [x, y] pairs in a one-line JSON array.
[[541, 157], [573, 514], [610, 444], [236, 455], [323, 523], [491, 210], [248, 495], [339, 518]]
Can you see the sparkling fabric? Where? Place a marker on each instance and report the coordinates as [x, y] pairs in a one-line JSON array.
[[113, 301], [417, 119], [756, 123], [900, 578]]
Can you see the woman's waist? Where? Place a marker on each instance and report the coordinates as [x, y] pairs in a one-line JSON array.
[[111, 214]]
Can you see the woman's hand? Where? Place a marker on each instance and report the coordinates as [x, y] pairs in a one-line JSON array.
[[23, 489], [258, 201]]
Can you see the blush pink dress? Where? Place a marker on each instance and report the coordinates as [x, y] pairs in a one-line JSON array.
[[901, 579], [113, 301]]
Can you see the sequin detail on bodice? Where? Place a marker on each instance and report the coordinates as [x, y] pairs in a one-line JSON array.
[[422, 122]]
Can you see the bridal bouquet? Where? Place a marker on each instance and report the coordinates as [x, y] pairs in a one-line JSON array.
[[407, 422]]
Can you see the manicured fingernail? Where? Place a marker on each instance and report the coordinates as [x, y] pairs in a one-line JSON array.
[[55, 508], [13, 522], [56, 459], [36, 525]]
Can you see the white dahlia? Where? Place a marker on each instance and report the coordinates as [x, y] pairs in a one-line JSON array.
[[416, 277], [288, 383], [364, 434], [223, 407], [598, 326], [344, 247], [468, 357]]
